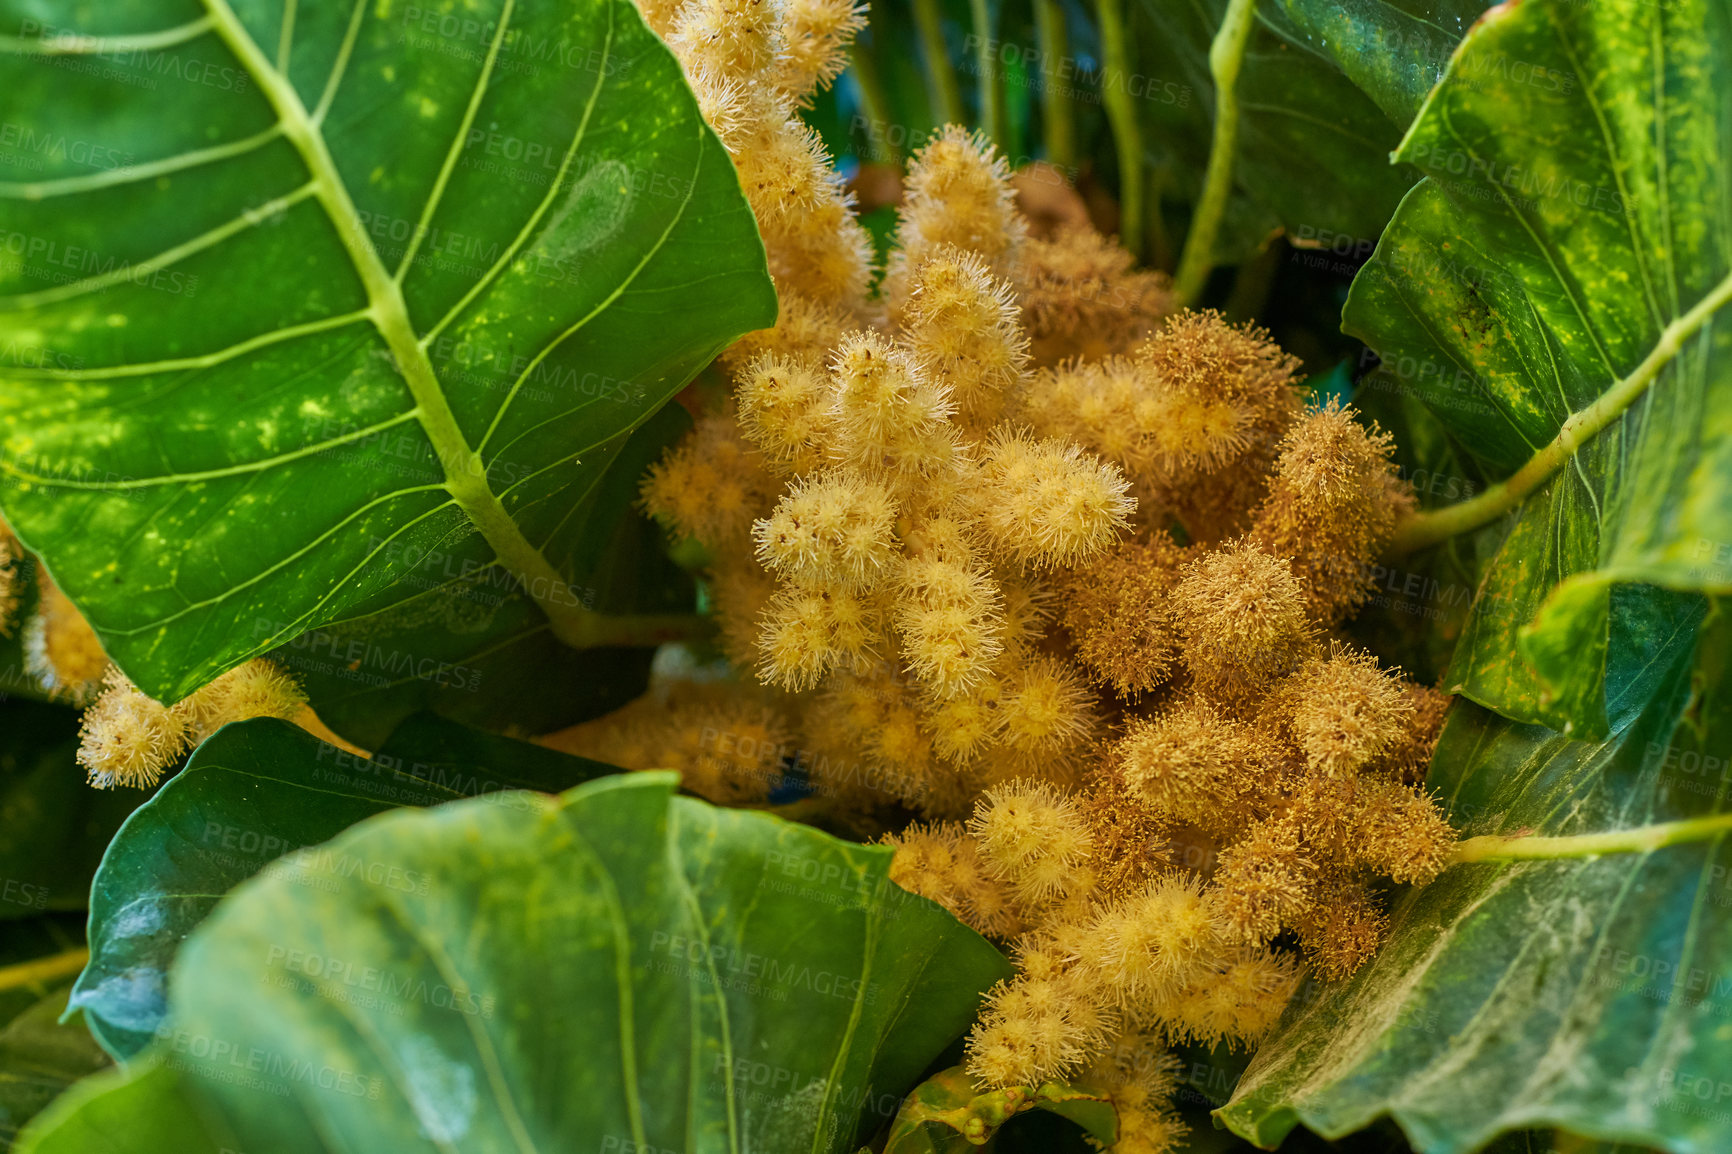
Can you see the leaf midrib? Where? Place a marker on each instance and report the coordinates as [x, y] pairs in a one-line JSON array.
[[465, 474]]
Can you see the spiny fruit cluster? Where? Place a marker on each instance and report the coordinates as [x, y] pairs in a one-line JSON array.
[[1010, 546]]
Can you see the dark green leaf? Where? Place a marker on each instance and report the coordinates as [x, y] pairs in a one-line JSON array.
[[39, 1055], [612, 967], [39, 1058], [254, 792], [481, 652], [1589, 993], [1325, 93], [358, 282], [1575, 207]]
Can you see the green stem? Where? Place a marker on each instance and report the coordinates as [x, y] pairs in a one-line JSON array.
[[945, 90], [877, 105], [1226, 55], [1642, 839], [986, 79], [42, 970], [1122, 117], [1058, 122], [1253, 282], [465, 471], [1437, 525]]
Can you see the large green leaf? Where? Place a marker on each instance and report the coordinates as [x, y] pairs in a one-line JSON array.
[[1325, 92], [53, 826], [612, 969], [253, 793], [1586, 992], [1570, 244], [481, 652], [363, 280]]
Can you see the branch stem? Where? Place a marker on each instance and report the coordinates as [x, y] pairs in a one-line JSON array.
[[941, 83], [1226, 55], [39, 970], [1642, 839], [873, 100], [986, 78], [1122, 118], [465, 470], [1058, 121], [1437, 525]]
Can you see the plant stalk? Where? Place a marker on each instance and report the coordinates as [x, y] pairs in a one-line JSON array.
[[873, 101], [1122, 118], [1437, 525], [465, 470], [1642, 839], [991, 91], [941, 83], [40, 970], [1058, 120], [1226, 55]]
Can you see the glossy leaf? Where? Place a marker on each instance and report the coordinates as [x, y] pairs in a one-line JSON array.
[[1590, 993], [1325, 92], [615, 964], [1574, 211], [251, 794], [362, 284], [478, 650]]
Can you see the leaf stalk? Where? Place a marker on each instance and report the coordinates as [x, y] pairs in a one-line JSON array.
[[1226, 55], [39, 970], [1058, 123], [1122, 118], [946, 92], [987, 80], [465, 470], [1434, 526], [1641, 839]]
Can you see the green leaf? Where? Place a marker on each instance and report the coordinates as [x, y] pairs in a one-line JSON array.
[[479, 651], [253, 793], [363, 283], [1325, 93], [1571, 989], [39, 1056], [948, 1113], [611, 967], [1559, 273], [53, 826]]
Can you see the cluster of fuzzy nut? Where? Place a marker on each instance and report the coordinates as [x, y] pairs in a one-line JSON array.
[[753, 64], [1263, 778], [1150, 898], [127, 737], [882, 530], [1005, 544], [130, 738]]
